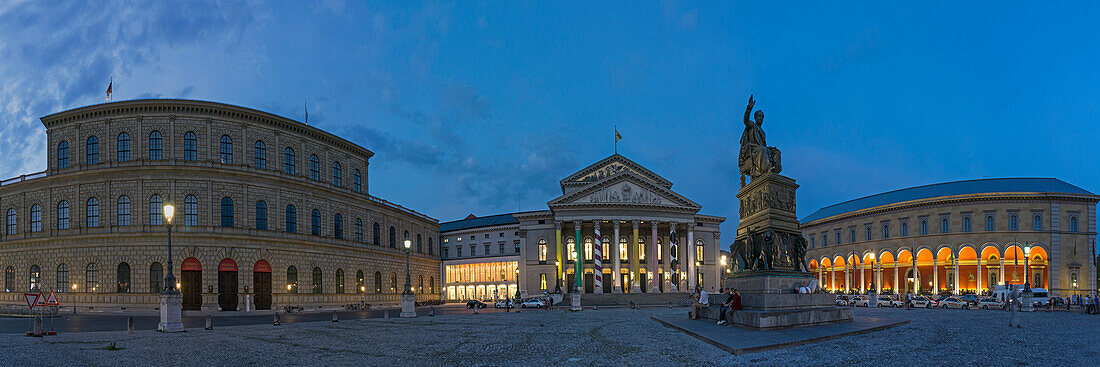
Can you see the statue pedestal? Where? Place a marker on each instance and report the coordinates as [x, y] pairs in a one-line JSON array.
[[769, 302], [408, 305], [575, 301], [1026, 301], [171, 313]]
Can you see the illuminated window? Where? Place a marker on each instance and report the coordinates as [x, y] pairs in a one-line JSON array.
[[623, 253], [606, 243], [572, 247], [588, 249], [699, 251], [641, 249], [542, 282], [542, 250]]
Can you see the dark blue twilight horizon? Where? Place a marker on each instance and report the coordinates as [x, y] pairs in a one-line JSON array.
[[482, 108]]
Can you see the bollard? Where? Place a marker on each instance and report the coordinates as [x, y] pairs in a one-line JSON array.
[[431, 311], [209, 323], [334, 319], [595, 307], [130, 325], [475, 309], [276, 323], [670, 305]]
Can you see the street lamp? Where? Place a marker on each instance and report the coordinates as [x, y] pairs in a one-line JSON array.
[[408, 298], [171, 302], [74, 303], [1027, 256]]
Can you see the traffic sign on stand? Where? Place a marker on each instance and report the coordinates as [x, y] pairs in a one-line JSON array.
[[41, 301], [52, 300], [32, 299]]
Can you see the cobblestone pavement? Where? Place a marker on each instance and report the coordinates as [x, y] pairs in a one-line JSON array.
[[554, 338]]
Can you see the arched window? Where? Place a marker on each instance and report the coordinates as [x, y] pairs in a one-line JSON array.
[[91, 213], [9, 279], [966, 224], [431, 284], [431, 250], [156, 210], [190, 146], [1073, 223], [419, 248], [1037, 223], [35, 277], [123, 278], [62, 285], [420, 283], [156, 278], [315, 222], [393, 283], [588, 249], [91, 278], [886, 230], [36, 218], [358, 230], [63, 155], [260, 160], [699, 251], [377, 282], [360, 282], [570, 248], [261, 215], [155, 146], [337, 175], [339, 281], [292, 280], [904, 229], [338, 226], [314, 167], [989, 223], [377, 235], [357, 180], [1013, 223], [623, 252], [10, 221], [923, 227], [63, 215], [227, 212], [123, 147], [542, 251], [291, 219], [393, 237], [227, 149], [91, 150], [288, 161], [317, 286], [123, 211], [191, 211], [945, 225]]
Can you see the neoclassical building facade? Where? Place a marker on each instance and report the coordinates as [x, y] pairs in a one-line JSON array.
[[616, 223], [269, 212], [962, 237]]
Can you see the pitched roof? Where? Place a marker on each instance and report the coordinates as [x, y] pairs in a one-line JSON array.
[[476, 222], [981, 186]]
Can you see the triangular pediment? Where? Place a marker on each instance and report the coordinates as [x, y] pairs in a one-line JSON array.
[[625, 188], [609, 167]]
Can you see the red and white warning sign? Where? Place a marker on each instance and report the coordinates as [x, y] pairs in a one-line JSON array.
[[52, 300], [32, 299], [41, 301]]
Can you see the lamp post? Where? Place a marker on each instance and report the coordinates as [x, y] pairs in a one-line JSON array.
[[1026, 302], [408, 298], [722, 261], [74, 303], [1027, 256], [171, 301]]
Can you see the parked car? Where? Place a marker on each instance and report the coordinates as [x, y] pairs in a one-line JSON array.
[[887, 301], [988, 303], [532, 303], [841, 300], [972, 299], [936, 301], [475, 303], [953, 302], [920, 301], [859, 301], [504, 304]]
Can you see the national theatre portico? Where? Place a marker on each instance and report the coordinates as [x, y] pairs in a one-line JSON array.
[[616, 223]]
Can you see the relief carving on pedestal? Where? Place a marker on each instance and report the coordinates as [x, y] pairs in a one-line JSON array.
[[774, 198]]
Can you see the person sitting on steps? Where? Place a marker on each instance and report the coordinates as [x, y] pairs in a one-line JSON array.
[[703, 301]]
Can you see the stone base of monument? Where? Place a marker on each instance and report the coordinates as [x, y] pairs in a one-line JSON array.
[[768, 301], [575, 301]]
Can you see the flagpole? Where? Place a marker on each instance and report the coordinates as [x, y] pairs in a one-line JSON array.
[[616, 139]]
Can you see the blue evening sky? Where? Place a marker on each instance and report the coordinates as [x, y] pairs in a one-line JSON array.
[[481, 107]]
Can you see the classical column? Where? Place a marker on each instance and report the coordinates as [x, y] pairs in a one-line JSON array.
[[652, 256], [1002, 270], [935, 274], [863, 277], [559, 264], [522, 264], [716, 251], [691, 256], [578, 265], [666, 254], [597, 257], [847, 279], [957, 282], [615, 274], [978, 288], [878, 276], [633, 247], [832, 278]]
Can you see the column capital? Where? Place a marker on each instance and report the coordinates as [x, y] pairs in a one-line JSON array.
[[597, 222], [577, 223], [656, 223], [690, 225], [717, 236], [557, 225], [617, 222], [523, 233], [636, 224]]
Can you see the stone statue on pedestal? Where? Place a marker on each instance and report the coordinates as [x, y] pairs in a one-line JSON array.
[[756, 157]]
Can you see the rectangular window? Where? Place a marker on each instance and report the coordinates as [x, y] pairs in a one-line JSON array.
[[486, 249], [886, 230], [851, 236], [812, 241], [945, 225], [989, 223], [824, 239], [867, 233], [501, 248], [517, 246], [904, 229], [923, 226], [446, 252], [699, 252], [458, 251], [542, 282], [542, 253]]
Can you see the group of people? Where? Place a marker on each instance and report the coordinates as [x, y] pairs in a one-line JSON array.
[[702, 300], [1090, 305]]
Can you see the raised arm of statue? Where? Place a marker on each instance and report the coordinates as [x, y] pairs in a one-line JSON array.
[[748, 110]]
